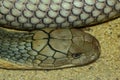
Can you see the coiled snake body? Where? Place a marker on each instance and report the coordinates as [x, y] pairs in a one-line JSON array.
[[39, 34]]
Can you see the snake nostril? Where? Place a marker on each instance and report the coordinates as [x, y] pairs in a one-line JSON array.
[[76, 55]]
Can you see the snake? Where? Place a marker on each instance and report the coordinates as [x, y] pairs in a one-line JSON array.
[[46, 34]]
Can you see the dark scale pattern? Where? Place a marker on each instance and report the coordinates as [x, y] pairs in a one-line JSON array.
[[29, 15], [13, 46], [17, 47]]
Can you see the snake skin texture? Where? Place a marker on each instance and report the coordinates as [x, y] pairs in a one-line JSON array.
[[40, 34], [44, 49]]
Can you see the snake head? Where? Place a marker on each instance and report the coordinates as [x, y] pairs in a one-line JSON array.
[[47, 49], [84, 48]]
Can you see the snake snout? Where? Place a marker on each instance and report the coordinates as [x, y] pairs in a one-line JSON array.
[[84, 49]]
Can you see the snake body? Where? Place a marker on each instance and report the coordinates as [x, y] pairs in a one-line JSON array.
[[39, 34]]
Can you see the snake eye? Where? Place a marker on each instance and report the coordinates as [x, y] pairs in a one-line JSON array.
[[76, 55]]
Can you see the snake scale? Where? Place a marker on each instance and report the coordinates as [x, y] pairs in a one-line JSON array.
[[45, 34]]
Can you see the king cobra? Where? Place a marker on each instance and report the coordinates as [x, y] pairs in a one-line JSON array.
[[46, 34]]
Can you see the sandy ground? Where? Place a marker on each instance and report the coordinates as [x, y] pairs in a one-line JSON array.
[[107, 67]]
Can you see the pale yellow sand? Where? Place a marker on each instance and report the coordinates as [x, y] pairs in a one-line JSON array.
[[107, 67]]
